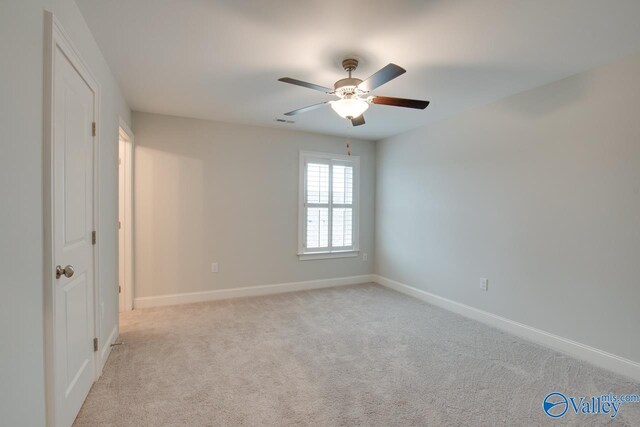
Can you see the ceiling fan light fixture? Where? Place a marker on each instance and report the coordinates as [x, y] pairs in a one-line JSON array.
[[349, 108], [353, 93]]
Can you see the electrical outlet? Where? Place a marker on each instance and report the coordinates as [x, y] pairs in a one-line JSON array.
[[484, 284], [365, 256], [214, 267]]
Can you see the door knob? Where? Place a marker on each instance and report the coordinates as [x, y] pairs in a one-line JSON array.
[[67, 271]]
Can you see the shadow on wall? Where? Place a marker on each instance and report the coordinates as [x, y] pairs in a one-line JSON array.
[[481, 85], [169, 189], [557, 96]]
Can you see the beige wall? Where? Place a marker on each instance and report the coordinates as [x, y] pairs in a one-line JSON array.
[[208, 191], [21, 229], [539, 193], [21, 327]]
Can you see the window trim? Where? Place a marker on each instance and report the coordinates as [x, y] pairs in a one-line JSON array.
[[304, 255]]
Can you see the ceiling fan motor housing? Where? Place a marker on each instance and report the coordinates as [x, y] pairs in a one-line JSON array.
[[348, 87]]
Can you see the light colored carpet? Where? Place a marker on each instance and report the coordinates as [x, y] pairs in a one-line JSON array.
[[351, 356]]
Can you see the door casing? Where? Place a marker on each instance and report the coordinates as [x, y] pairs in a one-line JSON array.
[[126, 134]]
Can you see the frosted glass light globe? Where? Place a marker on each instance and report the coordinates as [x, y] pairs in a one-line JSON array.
[[350, 108]]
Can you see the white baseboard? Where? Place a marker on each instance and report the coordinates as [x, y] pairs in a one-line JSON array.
[[587, 353], [106, 347], [249, 291]]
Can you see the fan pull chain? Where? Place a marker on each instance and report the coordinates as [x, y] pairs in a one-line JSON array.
[[348, 139]]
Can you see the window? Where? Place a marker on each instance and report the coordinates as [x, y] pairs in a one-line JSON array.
[[328, 211]]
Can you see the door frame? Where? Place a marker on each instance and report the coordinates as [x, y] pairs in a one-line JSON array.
[[129, 288], [57, 38]]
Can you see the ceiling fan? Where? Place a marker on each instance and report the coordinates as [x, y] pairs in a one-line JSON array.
[[354, 93]]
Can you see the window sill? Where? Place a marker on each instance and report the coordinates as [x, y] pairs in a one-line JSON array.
[[327, 255]]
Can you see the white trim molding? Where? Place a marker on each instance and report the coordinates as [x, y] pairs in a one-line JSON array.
[[126, 134], [247, 291], [105, 350], [327, 255], [593, 355]]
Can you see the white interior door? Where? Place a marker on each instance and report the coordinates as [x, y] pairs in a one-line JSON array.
[[73, 224], [121, 225]]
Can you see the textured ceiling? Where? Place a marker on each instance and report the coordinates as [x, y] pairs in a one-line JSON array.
[[220, 60]]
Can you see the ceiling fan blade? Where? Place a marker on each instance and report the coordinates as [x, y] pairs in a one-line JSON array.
[[305, 84], [382, 76], [357, 121], [399, 102], [305, 109]]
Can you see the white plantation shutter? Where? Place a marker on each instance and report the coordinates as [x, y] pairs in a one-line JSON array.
[[317, 205], [317, 228], [342, 184], [328, 212], [342, 210], [342, 229], [317, 183]]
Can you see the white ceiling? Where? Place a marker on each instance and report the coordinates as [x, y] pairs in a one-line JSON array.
[[220, 60]]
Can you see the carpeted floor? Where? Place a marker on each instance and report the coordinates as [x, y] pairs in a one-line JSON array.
[[350, 356]]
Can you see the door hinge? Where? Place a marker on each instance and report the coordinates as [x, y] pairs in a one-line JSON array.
[[93, 129], [95, 344], [119, 289], [94, 237]]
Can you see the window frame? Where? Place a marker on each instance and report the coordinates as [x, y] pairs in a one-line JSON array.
[[331, 159]]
